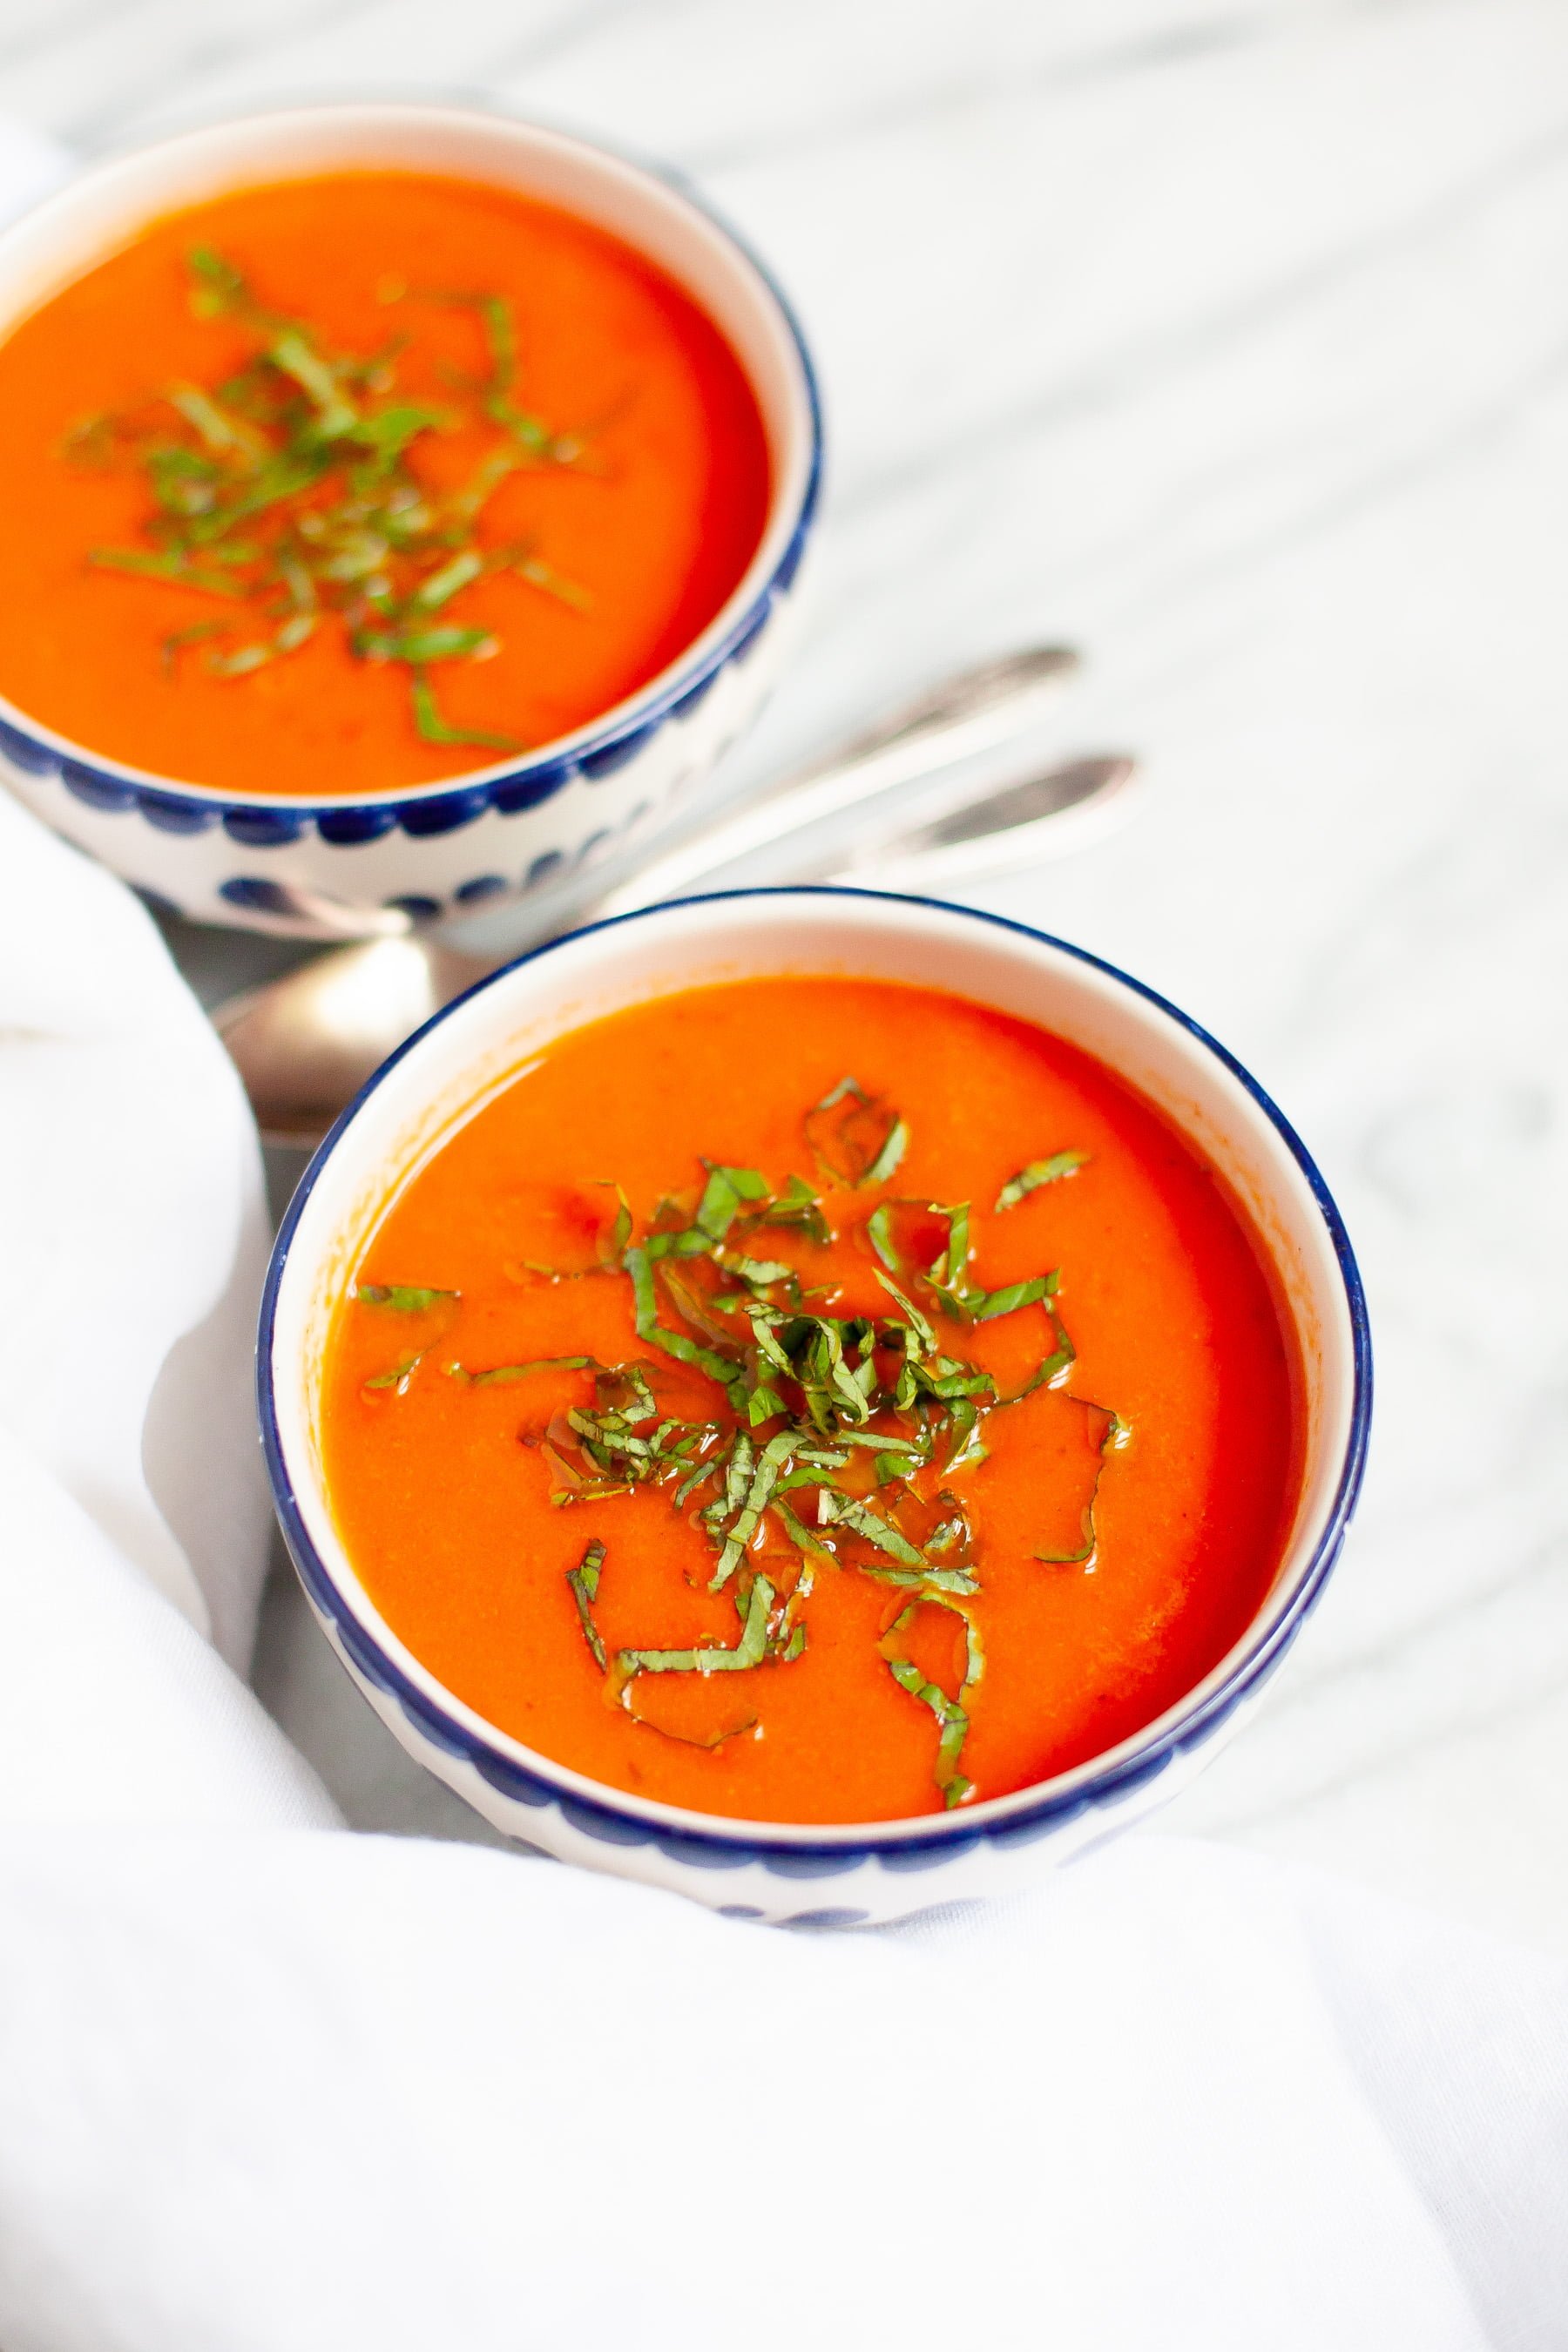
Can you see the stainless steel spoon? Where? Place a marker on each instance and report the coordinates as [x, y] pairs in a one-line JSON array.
[[305, 1044]]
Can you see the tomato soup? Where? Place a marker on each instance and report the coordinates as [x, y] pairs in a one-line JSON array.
[[350, 483], [815, 1400]]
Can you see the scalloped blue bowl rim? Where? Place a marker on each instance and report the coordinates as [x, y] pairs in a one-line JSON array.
[[172, 805], [699, 1838]]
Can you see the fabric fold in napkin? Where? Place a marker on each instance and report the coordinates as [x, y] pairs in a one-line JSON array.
[[132, 1180]]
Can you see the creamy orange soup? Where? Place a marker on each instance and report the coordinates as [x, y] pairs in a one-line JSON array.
[[814, 1401], [355, 482]]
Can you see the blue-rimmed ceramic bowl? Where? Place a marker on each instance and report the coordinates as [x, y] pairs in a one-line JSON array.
[[274, 863], [871, 1870]]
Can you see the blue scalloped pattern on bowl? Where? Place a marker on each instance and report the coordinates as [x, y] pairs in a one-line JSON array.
[[951, 1835]]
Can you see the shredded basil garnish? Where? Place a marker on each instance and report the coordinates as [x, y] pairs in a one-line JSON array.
[[289, 488], [816, 1412]]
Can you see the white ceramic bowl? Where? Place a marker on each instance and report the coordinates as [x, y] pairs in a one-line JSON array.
[[275, 863], [865, 1871]]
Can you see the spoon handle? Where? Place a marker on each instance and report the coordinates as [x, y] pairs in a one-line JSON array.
[[969, 712], [1044, 815]]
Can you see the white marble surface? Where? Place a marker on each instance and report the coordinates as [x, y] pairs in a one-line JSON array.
[[1228, 339]]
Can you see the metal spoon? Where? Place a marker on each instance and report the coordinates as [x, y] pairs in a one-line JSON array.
[[305, 1044]]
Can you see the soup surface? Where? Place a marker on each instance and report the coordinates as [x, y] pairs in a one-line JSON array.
[[813, 1400], [347, 484]]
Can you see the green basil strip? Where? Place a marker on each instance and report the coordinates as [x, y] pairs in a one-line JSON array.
[[952, 1714], [613, 1246], [1013, 1296], [940, 1579], [799, 1534], [737, 1471], [797, 1205], [761, 1271], [609, 1436], [438, 587], [947, 1268], [722, 1196], [293, 354], [689, 1486], [501, 334], [1046, 1373], [388, 433], [968, 1447], [674, 1343], [947, 1380], [430, 725], [749, 1651], [764, 1404], [954, 1721], [879, 1234], [201, 411], [402, 1297], [220, 286], [402, 1374], [1040, 1172], [500, 1375], [890, 1156], [889, 1153], [764, 1478], [446, 642], [208, 579], [917, 1322], [690, 1241], [831, 1386], [842, 1510], [585, 1581], [715, 1738], [1116, 1435], [763, 1321]]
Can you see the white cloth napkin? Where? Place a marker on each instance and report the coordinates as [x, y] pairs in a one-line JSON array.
[[266, 2086], [269, 2087]]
